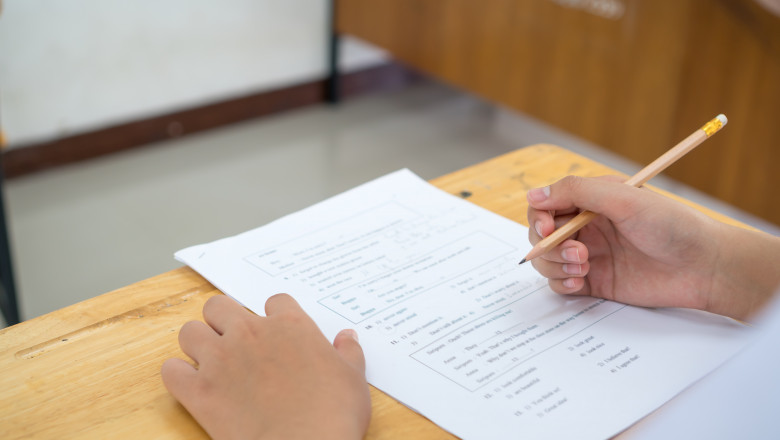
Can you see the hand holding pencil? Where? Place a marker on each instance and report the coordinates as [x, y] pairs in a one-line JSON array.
[[637, 180], [649, 250]]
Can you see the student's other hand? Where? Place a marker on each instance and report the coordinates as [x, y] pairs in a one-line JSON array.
[[269, 377]]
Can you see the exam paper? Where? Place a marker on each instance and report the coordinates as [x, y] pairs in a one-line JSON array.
[[452, 327]]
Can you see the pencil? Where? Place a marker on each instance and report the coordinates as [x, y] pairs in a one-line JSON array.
[[637, 180]]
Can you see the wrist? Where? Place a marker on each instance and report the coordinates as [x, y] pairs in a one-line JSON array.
[[746, 274]]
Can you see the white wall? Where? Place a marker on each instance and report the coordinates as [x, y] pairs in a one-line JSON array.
[[69, 66]]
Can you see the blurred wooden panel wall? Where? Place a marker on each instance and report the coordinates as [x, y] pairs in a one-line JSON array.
[[634, 76]]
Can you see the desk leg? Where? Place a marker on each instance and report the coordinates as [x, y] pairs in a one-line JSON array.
[[8, 302], [332, 84]]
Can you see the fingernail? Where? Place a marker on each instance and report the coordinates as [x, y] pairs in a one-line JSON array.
[[538, 227], [568, 282], [572, 269], [352, 334], [571, 254], [539, 194]]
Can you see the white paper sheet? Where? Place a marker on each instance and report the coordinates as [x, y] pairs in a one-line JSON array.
[[451, 325]]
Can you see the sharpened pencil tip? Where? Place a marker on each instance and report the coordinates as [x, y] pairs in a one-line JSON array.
[[521, 262]]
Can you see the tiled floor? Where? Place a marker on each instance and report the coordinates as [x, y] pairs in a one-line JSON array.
[[86, 229]]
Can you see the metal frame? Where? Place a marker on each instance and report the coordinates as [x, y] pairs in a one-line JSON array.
[[8, 303], [332, 83]]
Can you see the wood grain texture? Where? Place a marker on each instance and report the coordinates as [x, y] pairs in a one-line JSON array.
[[92, 370], [636, 84]]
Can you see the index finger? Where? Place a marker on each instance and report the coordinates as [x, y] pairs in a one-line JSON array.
[[605, 195]]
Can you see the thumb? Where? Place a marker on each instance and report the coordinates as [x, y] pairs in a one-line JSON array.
[[347, 345], [606, 195]]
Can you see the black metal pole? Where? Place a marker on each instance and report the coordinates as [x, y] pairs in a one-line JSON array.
[[8, 302], [332, 84]]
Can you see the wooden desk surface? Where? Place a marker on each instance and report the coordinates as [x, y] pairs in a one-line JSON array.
[[92, 370]]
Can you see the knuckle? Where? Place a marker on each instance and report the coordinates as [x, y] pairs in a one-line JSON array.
[[204, 387], [290, 319], [572, 183], [243, 326]]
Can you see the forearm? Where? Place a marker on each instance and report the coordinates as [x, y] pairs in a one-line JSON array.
[[747, 274]]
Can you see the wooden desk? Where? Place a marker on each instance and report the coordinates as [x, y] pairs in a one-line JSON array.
[[92, 370]]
